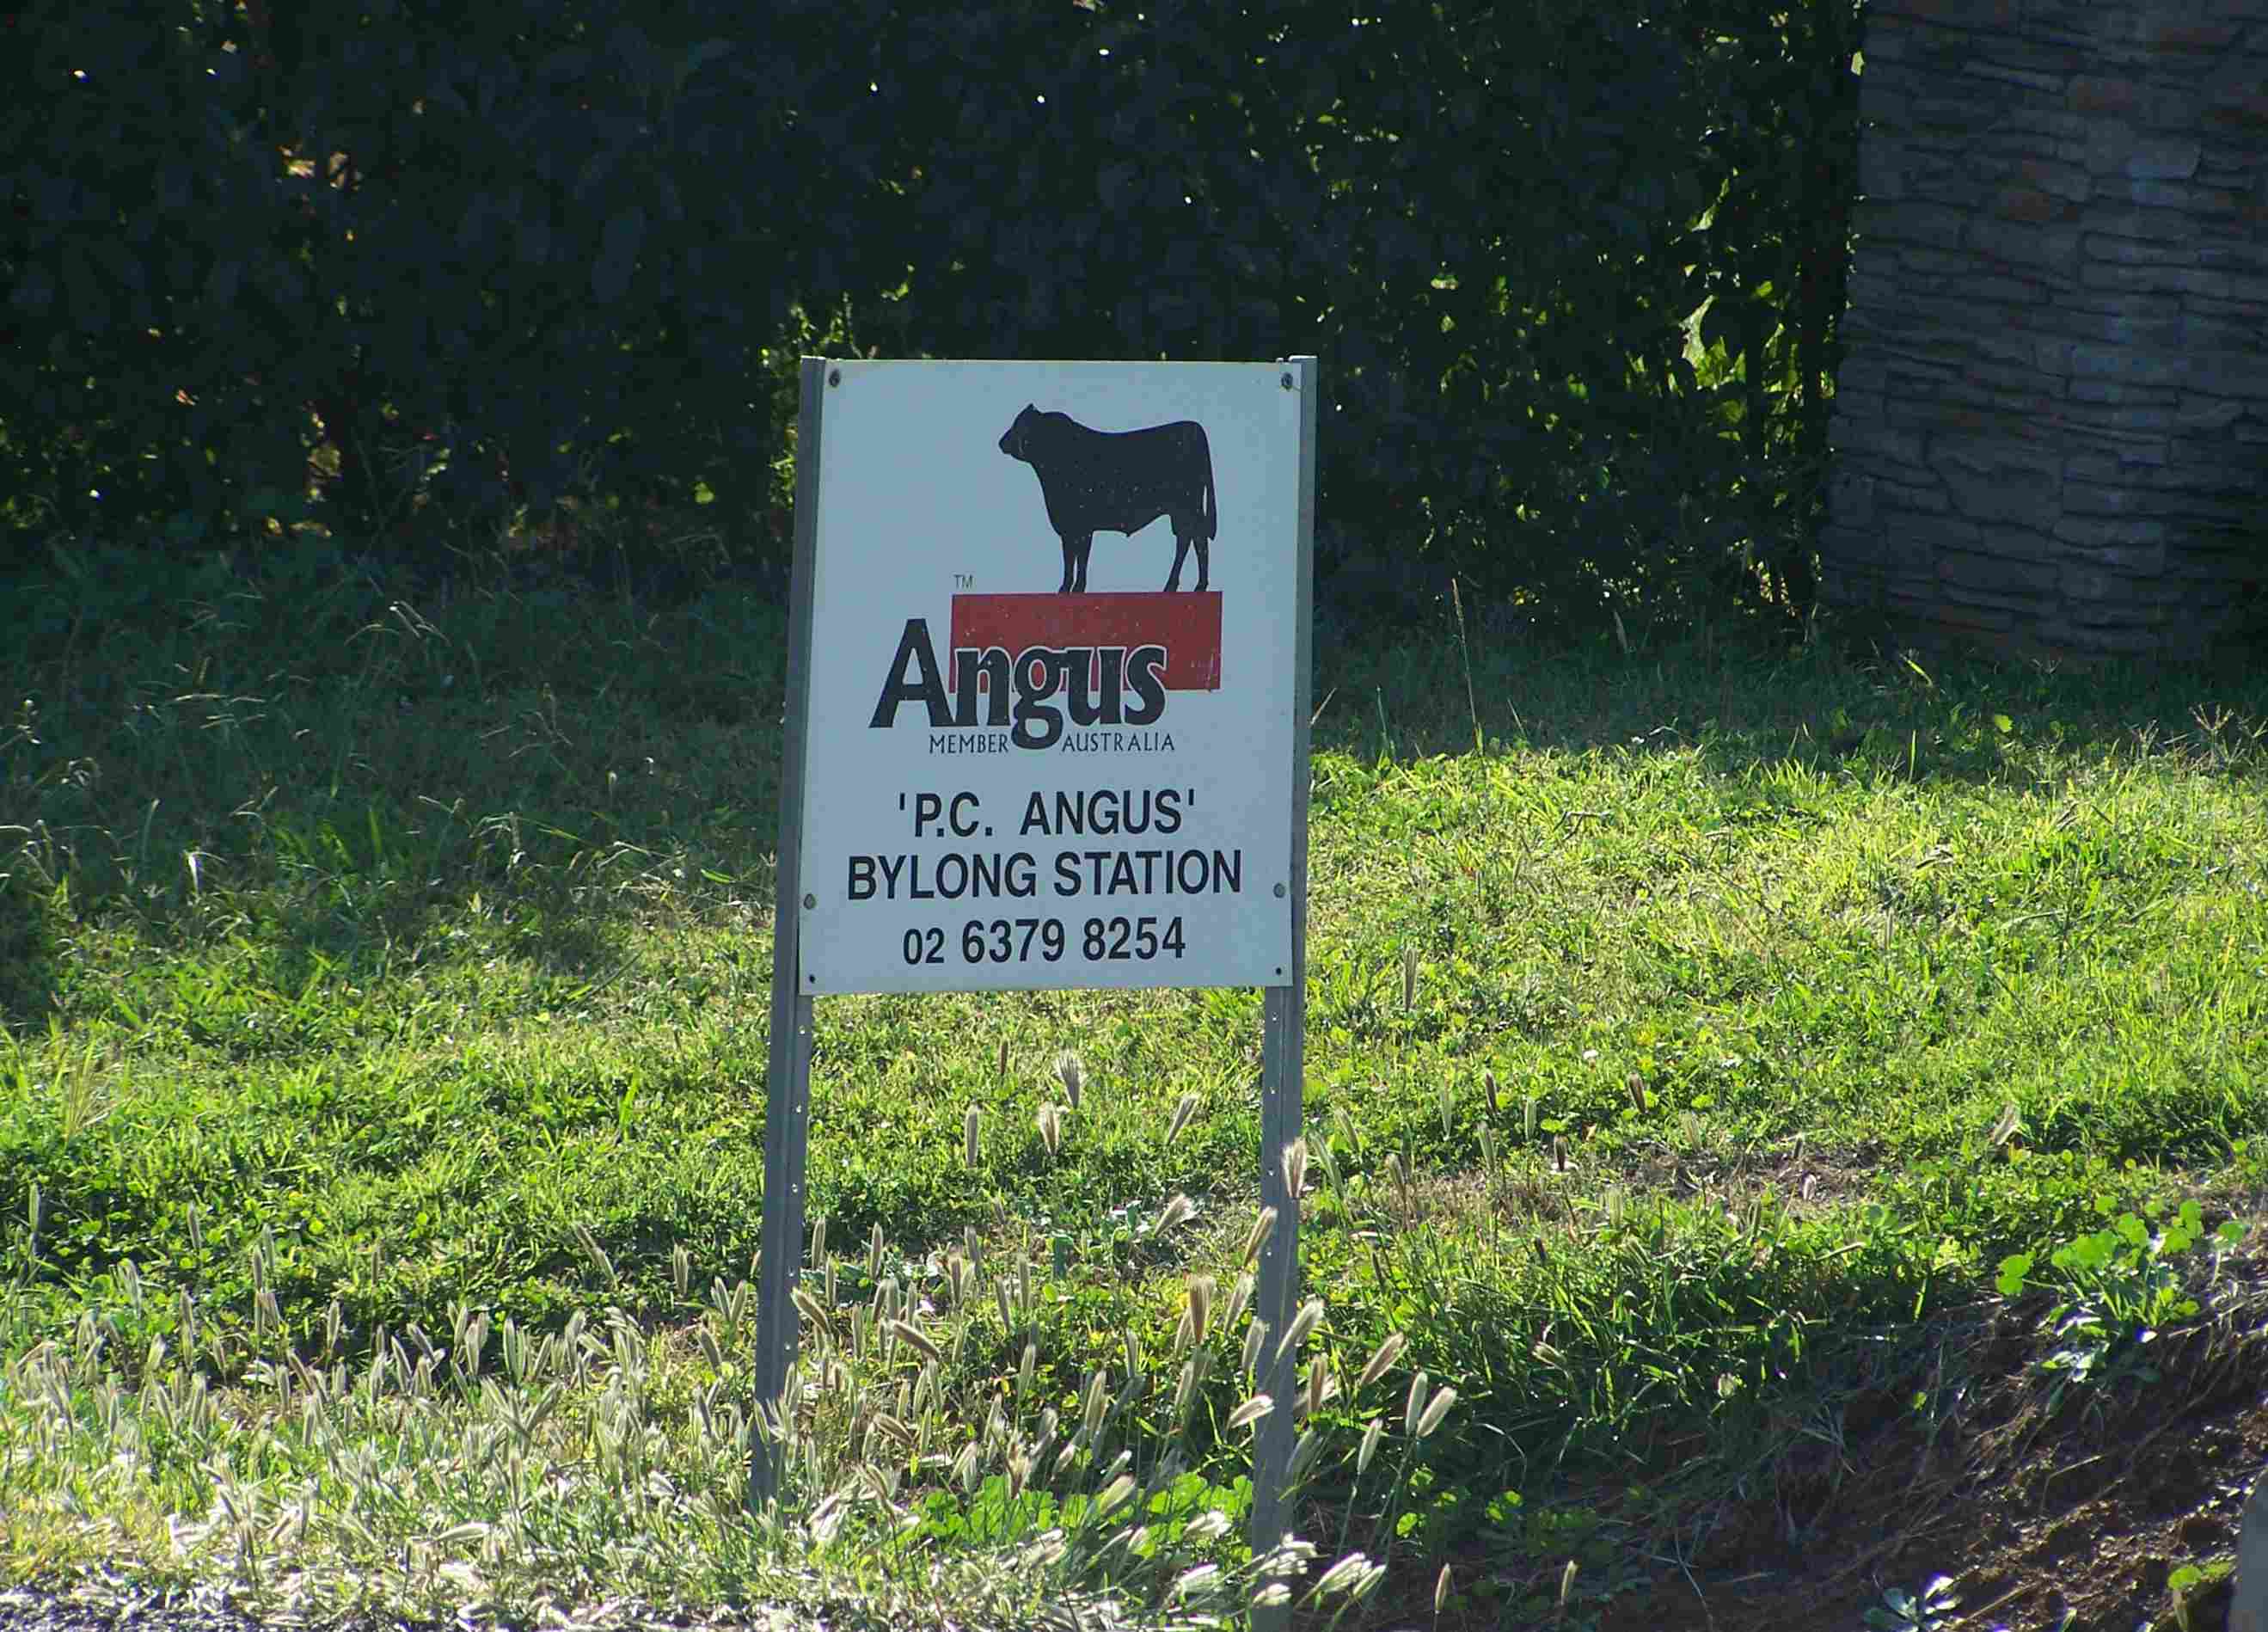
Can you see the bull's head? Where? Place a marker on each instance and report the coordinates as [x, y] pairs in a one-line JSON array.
[[1012, 440]]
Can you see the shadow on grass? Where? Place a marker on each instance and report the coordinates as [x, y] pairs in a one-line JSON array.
[[1750, 706], [338, 778], [348, 779], [27, 954]]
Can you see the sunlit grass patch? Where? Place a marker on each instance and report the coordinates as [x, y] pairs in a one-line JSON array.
[[933, 1465], [1693, 1035]]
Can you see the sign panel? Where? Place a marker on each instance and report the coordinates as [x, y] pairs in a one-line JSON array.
[[1053, 629]]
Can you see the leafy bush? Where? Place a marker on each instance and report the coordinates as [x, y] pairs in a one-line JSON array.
[[444, 255], [1573, 270]]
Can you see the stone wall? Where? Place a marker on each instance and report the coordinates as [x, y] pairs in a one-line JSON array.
[[2051, 417]]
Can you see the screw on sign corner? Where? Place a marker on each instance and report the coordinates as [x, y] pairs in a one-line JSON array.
[[835, 376]]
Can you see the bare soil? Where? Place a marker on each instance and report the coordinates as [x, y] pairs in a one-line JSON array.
[[2050, 1513], [2047, 1513]]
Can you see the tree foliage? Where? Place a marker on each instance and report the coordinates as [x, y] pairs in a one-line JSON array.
[[466, 260]]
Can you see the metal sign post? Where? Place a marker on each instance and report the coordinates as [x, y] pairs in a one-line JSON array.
[[991, 783], [787, 1074], [1283, 1054]]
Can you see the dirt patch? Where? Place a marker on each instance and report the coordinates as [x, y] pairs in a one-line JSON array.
[[2088, 1520], [2050, 1513]]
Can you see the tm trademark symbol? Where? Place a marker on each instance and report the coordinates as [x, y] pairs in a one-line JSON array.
[[963, 580]]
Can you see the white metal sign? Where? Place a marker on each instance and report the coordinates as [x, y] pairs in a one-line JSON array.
[[1053, 629], [990, 784]]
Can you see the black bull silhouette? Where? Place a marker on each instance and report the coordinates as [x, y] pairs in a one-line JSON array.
[[1118, 482]]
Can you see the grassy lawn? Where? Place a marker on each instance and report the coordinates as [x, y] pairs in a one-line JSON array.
[[1707, 1049]]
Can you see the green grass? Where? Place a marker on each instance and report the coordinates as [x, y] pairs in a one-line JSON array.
[[1693, 1032]]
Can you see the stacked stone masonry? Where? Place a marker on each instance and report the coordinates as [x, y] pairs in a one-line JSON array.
[[2050, 424]]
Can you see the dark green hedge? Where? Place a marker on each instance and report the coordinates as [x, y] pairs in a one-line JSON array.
[[468, 258]]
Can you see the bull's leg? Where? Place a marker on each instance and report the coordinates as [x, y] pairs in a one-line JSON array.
[[1070, 561], [1180, 554], [1204, 561], [1081, 551]]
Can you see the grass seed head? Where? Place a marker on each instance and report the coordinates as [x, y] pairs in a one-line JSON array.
[[1210, 1526], [1072, 1076], [1251, 1411], [1413, 1408], [911, 1336], [1302, 1327], [1239, 1295], [1090, 1411], [1295, 1168], [1203, 1579], [1342, 1577], [1381, 1357], [1114, 1496], [1264, 1225], [1184, 1109], [1202, 1289], [1256, 1338], [1436, 1408], [1185, 1386]]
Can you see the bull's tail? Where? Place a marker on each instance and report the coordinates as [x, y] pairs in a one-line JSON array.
[[1211, 521]]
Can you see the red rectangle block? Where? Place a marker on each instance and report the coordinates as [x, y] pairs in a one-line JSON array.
[[1186, 623]]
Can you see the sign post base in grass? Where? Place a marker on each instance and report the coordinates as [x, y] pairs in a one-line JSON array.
[[998, 778], [787, 1075]]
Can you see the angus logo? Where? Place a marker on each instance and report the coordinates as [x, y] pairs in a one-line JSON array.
[[1119, 482], [1085, 672]]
